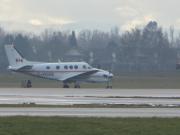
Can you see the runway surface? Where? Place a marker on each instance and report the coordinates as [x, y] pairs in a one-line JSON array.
[[55, 100], [153, 97], [93, 112], [92, 92]]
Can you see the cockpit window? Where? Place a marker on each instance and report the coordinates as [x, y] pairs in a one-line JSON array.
[[84, 67], [65, 67]]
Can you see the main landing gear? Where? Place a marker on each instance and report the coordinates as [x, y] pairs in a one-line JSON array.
[[108, 87], [26, 84], [65, 85], [76, 85]]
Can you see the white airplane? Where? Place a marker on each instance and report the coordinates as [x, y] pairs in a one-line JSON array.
[[67, 72]]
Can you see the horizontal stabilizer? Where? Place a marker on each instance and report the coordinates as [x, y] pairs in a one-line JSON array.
[[25, 68]]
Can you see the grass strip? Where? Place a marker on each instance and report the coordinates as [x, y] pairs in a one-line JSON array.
[[88, 126]]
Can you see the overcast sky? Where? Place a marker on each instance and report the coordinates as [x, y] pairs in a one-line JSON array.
[[35, 15]]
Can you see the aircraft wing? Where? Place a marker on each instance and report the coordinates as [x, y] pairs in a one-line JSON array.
[[78, 76]]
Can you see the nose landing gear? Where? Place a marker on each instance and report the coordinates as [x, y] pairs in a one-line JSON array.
[[109, 84]]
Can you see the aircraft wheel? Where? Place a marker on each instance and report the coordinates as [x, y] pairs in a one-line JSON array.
[[29, 84], [109, 87], [77, 86], [65, 86]]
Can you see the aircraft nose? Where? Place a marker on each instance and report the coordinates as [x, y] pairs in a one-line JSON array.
[[108, 75], [111, 75]]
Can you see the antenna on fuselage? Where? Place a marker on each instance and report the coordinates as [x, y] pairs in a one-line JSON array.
[[59, 61], [110, 80]]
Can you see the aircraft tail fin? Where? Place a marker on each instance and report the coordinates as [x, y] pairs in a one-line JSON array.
[[14, 57]]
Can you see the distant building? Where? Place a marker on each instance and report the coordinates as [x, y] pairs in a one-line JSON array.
[[73, 55]]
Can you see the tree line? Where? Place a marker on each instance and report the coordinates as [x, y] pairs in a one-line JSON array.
[[147, 49]]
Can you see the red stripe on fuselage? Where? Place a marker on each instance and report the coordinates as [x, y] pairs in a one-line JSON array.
[[59, 71]]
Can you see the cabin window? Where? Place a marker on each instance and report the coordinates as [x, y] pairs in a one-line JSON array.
[[84, 67], [76, 67], [71, 67], [57, 67], [48, 67], [65, 67]]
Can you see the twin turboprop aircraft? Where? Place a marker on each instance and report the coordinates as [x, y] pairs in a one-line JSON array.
[[67, 72]]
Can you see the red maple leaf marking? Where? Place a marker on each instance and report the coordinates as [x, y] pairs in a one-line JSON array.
[[19, 60]]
